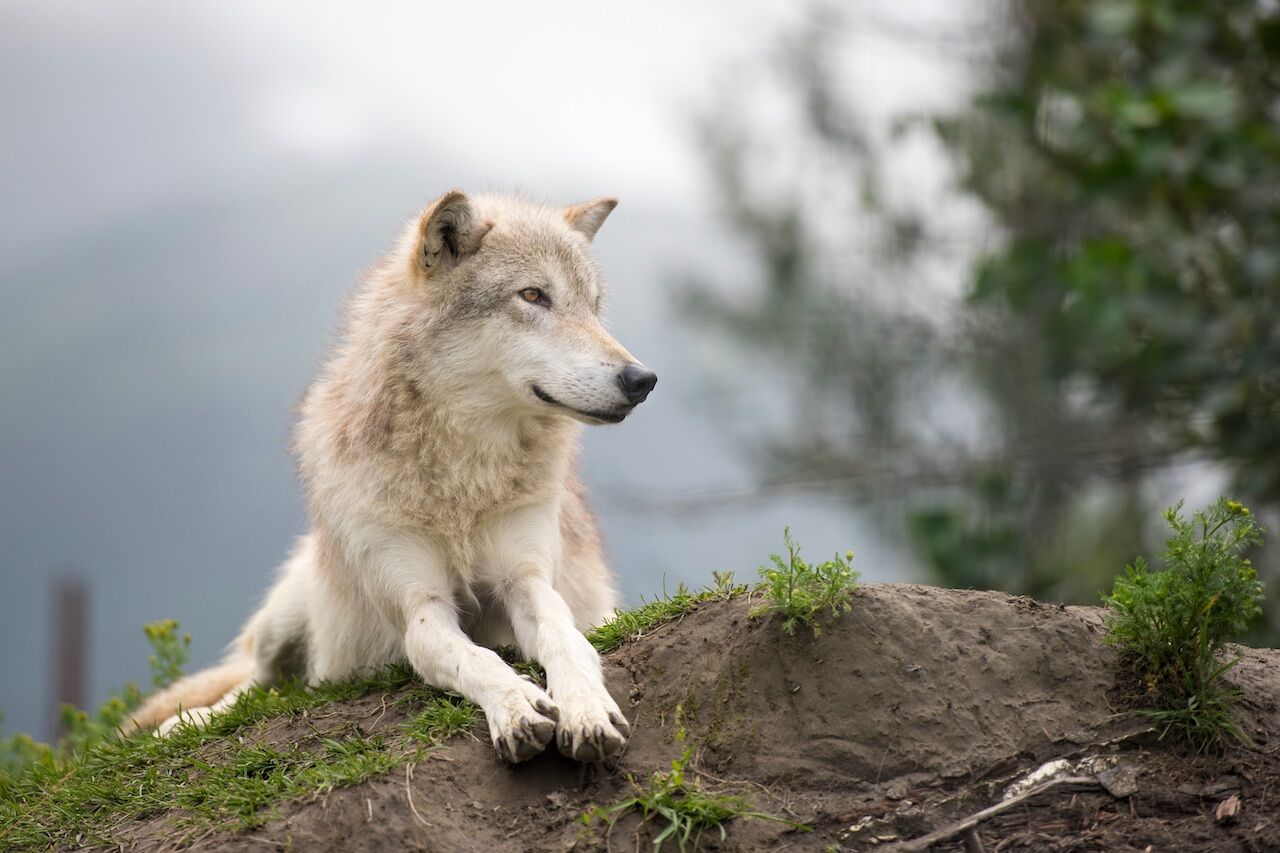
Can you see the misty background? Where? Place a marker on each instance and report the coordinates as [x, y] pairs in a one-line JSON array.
[[187, 194], [972, 289]]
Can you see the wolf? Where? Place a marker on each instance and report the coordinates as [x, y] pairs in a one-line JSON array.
[[437, 450]]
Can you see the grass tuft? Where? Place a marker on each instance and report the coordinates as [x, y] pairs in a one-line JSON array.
[[1173, 624], [442, 718], [684, 808], [804, 593], [629, 625]]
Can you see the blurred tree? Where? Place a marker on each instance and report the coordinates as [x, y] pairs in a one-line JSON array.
[[1126, 154], [1138, 182]]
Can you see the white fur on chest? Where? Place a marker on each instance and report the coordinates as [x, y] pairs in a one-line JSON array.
[[389, 565]]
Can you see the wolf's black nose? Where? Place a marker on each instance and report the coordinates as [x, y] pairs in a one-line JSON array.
[[636, 382]]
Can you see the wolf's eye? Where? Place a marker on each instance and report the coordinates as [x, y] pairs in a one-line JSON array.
[[535, 296]]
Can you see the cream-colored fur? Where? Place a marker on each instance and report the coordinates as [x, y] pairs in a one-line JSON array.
[[437, 450]]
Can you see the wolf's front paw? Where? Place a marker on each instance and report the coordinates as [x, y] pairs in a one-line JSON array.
[[523, 722], [591, 727]]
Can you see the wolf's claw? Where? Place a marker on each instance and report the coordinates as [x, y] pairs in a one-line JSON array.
[[589, 727], [523, 723], [620, 723]]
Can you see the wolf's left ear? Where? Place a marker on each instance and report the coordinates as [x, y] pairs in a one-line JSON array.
[[590, 215], [448, 232]]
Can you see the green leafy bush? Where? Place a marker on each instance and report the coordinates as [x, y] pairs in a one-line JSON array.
[[1173, 624], [18, 752], [802, 593], [82, 729], [170, 651]]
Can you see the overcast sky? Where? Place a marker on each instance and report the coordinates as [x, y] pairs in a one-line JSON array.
[[186, 191]]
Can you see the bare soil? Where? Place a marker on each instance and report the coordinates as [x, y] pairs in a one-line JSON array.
[[913, 711]]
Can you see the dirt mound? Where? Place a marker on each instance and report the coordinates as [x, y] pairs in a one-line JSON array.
[[918, 708]]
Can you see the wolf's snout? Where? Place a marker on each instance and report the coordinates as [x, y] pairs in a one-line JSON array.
[[636, 382]]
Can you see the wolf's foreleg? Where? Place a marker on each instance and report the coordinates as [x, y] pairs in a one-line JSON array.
[[591, 726], [522, 551], [410, 569], [521, 716]]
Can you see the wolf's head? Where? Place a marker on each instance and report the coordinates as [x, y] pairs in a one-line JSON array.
[[514, 299]]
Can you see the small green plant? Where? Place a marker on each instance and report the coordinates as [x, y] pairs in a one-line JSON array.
[[169, 651], [442, 718], [804, 593], [1173, 624], [81, 729], [724, 587], [676, 799], [18, 752]]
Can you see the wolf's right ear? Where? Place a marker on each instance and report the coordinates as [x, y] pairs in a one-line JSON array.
[[448, 232]]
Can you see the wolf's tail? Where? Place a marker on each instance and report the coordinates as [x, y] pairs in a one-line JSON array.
[[195, 691]]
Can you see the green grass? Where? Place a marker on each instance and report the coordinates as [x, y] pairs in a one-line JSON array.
[[243, 791], [1173, 625], [443, 717], [630, 625], [681, 806], [803, 593], [213, 780], [169, 653], [83, 790]]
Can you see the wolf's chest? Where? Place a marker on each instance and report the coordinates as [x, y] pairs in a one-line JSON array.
[[452, 498]]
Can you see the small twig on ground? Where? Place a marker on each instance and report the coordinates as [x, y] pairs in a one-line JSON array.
[[924, 842], [408, 792], [381, 713], [880, 769]]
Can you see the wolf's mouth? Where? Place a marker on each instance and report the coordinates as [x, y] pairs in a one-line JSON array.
[[614, 417]]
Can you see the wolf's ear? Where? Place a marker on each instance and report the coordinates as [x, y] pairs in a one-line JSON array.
[[448, 232], [590, 215]]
